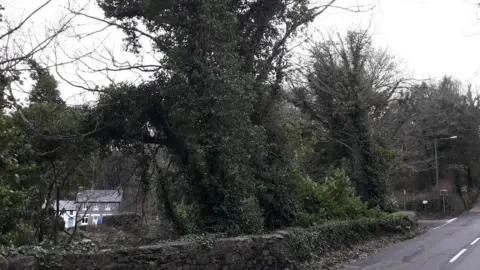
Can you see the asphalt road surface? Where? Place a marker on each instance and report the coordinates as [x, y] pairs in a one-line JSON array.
[[454, 245]]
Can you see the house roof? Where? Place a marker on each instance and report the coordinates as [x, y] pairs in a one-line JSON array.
[[65, 204], [104, 195]]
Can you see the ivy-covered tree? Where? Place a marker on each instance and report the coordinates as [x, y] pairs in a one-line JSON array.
[[215, 103], [350, 84], [16, 171]]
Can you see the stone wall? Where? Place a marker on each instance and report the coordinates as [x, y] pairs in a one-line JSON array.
[[237, 253], [262, 252], [23, 263], [282, 250]]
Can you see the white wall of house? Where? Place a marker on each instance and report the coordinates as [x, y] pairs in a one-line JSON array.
[[91, 219], [69, 217]]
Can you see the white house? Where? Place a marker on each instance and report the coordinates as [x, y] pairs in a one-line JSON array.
[[68, 211], [93, 205], [90, 206]]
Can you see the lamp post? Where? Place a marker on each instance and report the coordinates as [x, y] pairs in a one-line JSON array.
[[435, 142]]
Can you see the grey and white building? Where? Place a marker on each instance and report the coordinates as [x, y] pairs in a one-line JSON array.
[[94, 204], [90, 206], [68, 211]]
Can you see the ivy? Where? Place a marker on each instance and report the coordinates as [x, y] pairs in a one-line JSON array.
[[217, 107], [318, 240]]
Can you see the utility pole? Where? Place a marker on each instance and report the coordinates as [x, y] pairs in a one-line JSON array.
[[436, 162]]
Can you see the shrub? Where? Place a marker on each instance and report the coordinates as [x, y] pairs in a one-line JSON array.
[[340, 234], [334, 199], [188, 216], [12, 210], [390, 204], [253, 216], [250, 217], [129, 222]]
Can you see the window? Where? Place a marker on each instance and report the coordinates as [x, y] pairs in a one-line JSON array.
[[84, 221], [84, 206], [107, 207], [95, 207], [70, 212]]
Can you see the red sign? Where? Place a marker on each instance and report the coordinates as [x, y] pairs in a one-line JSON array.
[[445, 185]]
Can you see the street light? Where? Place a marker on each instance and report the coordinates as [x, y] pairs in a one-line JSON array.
[[435, 142]]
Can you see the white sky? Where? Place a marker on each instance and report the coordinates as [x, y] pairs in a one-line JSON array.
[[430, 38]]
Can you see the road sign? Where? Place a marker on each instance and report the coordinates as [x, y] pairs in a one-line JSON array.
[[445, 185]]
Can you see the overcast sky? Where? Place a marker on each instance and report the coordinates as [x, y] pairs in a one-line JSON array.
[[430, 38]]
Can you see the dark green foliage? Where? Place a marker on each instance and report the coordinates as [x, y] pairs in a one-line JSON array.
[[12, 210], [293, 247], [45, 88], [349, 84], [43, 158], [128, 222], [390, 164], [16, 169], [61, 153], [215, 105], [390, 204], [238, 157], [319, 240], [334, 199]]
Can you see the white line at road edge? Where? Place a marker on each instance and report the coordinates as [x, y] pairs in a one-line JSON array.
[[446, 223], [458, 255], [451, 220], [474, 241]]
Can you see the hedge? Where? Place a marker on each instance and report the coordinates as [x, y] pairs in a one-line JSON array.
[[320, 239], [128, 222]]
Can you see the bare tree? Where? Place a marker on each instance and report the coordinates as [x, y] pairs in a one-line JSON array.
[[19, 44]]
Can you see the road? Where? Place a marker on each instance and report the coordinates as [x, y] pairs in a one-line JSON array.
[[452, 246]]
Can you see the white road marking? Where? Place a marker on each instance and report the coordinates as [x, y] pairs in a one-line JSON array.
[[440, 226], [451, 220], [474, 241], [458, 255], [446, 223]]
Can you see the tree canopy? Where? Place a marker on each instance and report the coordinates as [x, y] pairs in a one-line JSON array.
[[226, 132]]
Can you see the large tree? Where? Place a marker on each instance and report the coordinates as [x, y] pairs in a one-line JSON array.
[[19, 185], [350, 84], [16, 185], [214, 103], [63, 155]]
